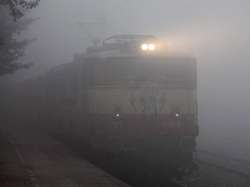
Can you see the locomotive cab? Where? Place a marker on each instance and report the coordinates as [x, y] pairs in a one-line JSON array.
[[142, 101], [127, 45]]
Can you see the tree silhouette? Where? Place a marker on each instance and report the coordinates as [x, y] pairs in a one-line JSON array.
[[11, 25], [18, 7]]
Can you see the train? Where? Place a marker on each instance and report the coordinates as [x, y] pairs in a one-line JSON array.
[[129, 104]]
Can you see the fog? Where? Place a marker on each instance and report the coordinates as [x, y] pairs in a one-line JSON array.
[[216, 32]]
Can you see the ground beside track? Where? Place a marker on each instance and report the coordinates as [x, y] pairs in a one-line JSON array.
[[210, 175], [33, 158], [217, 170], [30, 158]]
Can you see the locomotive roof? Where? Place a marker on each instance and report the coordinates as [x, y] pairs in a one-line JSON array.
[[131, 37]]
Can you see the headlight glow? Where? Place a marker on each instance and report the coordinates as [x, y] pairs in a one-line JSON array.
[[151, 47], [148, 47], [144, 47]]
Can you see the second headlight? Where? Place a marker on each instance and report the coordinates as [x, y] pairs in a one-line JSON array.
[[148, 47]]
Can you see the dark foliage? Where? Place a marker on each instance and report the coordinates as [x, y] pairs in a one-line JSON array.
[[11, 25], [18, 7]]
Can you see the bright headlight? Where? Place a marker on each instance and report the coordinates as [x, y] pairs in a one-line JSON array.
[[144, 47], [148, 47], [151, 47]]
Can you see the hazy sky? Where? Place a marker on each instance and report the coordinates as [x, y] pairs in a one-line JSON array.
[[215, 31], [65, 27]]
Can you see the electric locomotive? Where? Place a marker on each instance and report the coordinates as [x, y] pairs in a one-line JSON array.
[[129, 102]]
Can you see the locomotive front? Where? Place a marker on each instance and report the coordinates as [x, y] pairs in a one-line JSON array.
[[141, 104]]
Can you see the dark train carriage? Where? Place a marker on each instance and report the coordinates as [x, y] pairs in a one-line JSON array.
[[132, 108]]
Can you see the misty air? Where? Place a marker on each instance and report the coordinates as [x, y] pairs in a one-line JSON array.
[[122, 93]]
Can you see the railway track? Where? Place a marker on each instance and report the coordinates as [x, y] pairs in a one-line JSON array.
[[220, 165], [234, 165]]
